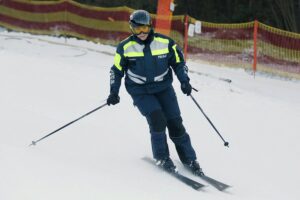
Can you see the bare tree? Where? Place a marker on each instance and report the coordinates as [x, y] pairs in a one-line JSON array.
[[284, 12]]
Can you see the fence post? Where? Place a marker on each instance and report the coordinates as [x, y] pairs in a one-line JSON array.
[[255, 46], [164, 17], [186, 26]]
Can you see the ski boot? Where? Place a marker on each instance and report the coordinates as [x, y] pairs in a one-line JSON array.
[[194, 167], [167, 165]]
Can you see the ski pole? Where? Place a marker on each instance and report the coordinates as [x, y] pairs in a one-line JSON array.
[[225, 143], [35, 142]]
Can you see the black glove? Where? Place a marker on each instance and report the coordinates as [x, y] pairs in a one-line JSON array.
[[186, 88], [113, 99]]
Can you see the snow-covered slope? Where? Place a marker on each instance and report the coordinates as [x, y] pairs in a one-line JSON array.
[[45, 85]]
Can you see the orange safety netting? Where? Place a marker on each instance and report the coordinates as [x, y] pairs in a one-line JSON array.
[[277, 51], [106, 25], [272, 50]]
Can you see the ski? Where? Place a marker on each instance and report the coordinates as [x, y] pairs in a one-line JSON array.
[[217, 184], [213, 182], [194, 184]]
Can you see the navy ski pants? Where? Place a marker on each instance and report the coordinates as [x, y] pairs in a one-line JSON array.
[[162, 111]]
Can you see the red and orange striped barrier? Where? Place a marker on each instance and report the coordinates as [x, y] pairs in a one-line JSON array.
[[253, 45]]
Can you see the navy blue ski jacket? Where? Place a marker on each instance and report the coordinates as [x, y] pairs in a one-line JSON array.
[[147, 64]]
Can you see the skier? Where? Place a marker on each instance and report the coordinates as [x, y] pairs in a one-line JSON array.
[[148, 59]]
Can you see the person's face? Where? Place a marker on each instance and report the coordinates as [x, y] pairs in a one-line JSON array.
[[141, 32], [142, 36]]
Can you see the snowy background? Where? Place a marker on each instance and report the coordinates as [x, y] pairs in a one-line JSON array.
[[46, 82]]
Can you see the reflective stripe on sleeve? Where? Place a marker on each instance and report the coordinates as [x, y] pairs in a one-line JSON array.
[[176, 54], [117, 61]]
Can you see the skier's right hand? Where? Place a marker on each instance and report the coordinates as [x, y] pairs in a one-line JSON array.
[[113, 99]]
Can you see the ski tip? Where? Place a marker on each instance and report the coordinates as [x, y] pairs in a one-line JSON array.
[[223, 188], [217, 184], [201, 187]]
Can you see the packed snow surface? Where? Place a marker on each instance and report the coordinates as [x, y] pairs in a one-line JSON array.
[[47, 82]]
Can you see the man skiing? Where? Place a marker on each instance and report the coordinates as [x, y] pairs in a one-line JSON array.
[[147, 60]]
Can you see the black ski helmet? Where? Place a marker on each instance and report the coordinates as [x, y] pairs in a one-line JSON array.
[[139, 18]]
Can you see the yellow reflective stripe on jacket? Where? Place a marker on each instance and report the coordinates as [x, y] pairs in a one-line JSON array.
[[133, 49], [176, 54], [159, 46], [117, 61], [134, 54], [160, 52], [162, 40], [130, 43]]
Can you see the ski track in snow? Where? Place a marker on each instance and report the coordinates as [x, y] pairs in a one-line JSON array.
[[47, 82]]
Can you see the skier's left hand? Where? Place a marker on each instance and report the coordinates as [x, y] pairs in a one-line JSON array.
[[186, 88]]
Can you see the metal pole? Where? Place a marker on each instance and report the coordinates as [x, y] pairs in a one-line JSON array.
[[225, 143], [36, 141]]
